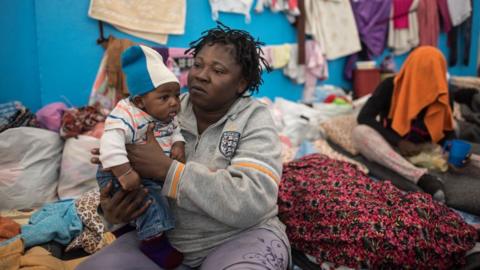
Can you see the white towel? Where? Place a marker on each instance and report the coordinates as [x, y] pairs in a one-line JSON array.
[[459, 10]]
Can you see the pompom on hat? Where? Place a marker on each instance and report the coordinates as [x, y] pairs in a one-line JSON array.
[[144, 70]]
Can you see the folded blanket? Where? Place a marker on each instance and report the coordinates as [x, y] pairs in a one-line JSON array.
[[152, 20]]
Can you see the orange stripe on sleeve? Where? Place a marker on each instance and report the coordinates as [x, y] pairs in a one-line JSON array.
[[259, 168], [176, 179]]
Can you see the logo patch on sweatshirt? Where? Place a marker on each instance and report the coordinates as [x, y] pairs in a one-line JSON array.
[[229, 143]]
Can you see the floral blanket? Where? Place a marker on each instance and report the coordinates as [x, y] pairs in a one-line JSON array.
[[336, 213]]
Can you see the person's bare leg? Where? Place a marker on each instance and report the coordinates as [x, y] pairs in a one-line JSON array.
[[375, 148]]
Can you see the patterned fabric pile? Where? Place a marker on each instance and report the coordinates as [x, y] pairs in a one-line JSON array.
[[14, 114], [77, 121], [336, 213]]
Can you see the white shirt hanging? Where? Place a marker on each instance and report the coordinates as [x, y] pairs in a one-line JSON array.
[[232, 6]]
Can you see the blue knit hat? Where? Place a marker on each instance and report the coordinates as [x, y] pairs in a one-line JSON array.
[[144, 70]]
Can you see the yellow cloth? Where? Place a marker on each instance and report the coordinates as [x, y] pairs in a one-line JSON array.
[[281, 55], [431, 158], [39, 258], [158, 38], [12, 257], [150, 19], [422, 83]]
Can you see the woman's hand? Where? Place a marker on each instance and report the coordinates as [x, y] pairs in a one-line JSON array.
[[95, 153], [148, 159], [407, 148], [123, 206]]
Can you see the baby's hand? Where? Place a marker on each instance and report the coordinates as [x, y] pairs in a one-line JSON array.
[[178, 151], [130, 181]]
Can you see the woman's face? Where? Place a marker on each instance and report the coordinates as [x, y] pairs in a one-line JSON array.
[[215, 80]]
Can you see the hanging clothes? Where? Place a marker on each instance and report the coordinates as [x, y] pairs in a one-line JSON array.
[[153, 20], [290, 6], [444, 15], [332, 24], [316, 68], [428, 22], [180, 63], [460, 14], [110, 86], [294, 70], [233, 6], [163, 51], [280, 55], [459, 10], [403, 40], [400, 11], [372, 18], [462, 31]]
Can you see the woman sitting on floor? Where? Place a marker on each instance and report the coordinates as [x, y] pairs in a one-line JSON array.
[[405, 112]]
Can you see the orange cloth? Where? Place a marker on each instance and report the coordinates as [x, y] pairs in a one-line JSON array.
[[421, 83], [8, 228], [13, 257]]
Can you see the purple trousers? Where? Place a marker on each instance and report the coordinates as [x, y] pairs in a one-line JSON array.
[[255, 249]]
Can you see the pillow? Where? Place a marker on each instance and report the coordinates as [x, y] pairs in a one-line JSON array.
[[339, 130], [29, 166]]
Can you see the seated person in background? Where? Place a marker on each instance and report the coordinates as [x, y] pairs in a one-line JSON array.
[[154, 99], [468, 124], [406, 111], [224, 197]]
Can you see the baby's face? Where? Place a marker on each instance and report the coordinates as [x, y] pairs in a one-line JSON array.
[[163, 103]]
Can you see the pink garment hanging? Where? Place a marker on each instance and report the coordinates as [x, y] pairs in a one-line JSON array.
[[316, 67], [292, 5], [445, 15], [177, 53], [182, 75], [316, 63], [400, 13], [428, 25], [268, 54]]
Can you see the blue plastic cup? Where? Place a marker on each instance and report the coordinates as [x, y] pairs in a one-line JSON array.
[[458, 150]]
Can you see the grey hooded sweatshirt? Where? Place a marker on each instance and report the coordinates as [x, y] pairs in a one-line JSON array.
[[230, 181]]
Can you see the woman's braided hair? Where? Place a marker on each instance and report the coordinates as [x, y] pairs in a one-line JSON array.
[[248, 52]]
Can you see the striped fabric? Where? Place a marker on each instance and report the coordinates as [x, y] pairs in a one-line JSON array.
[[134, 122]]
